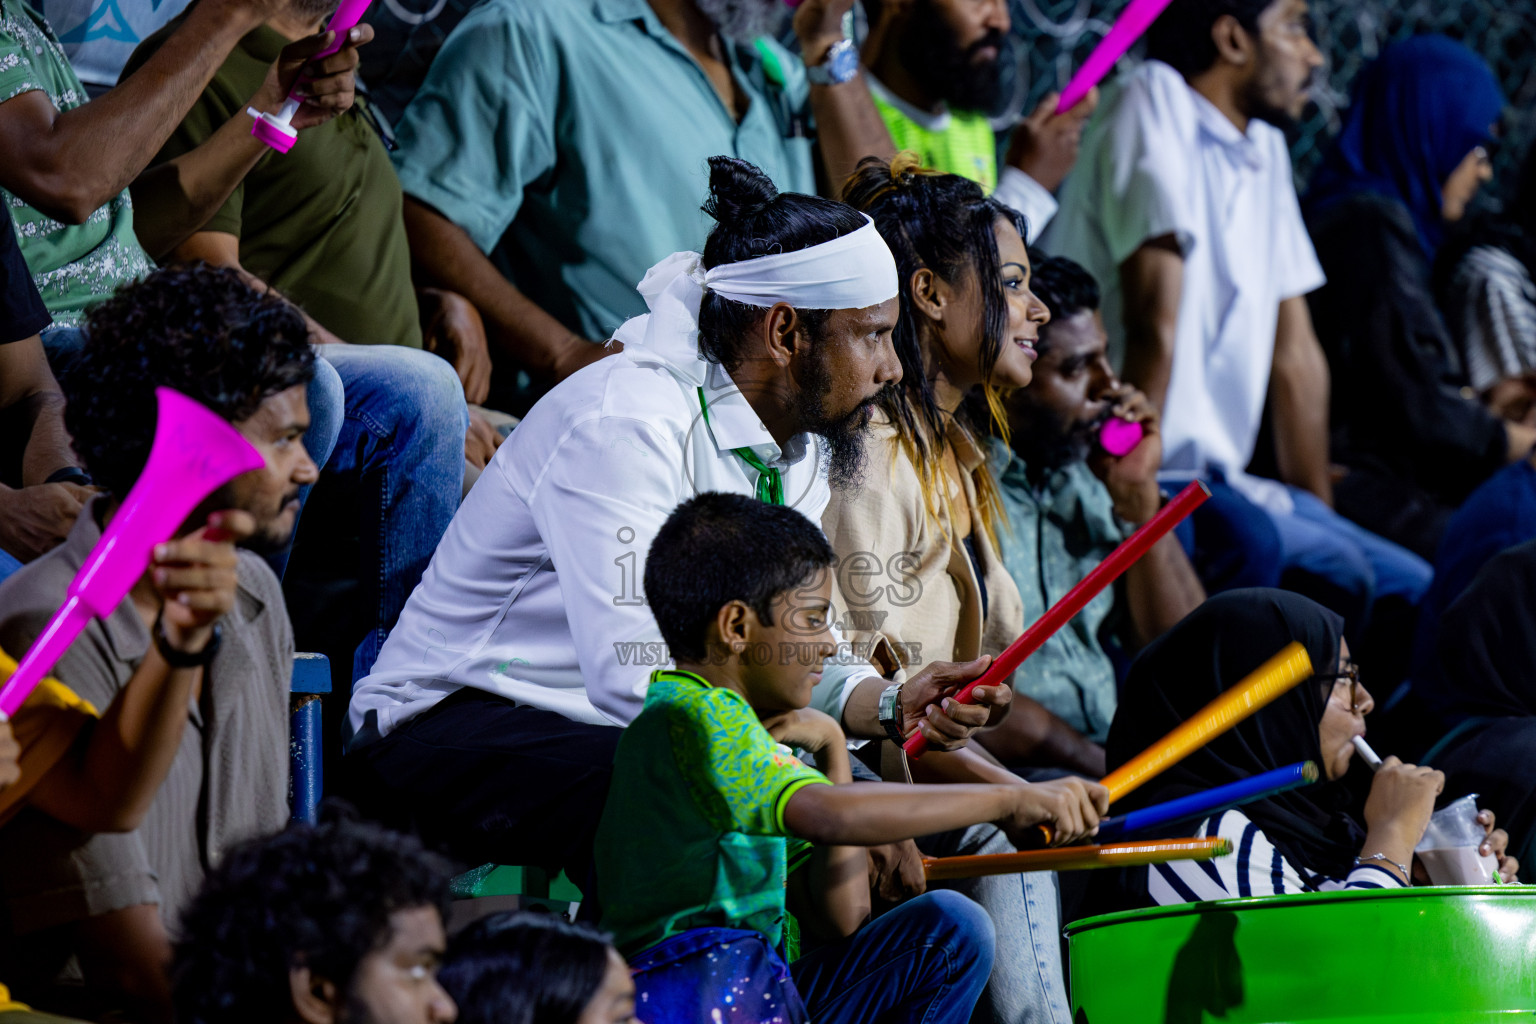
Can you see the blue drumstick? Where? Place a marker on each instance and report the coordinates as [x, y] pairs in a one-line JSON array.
[[1202, 805]]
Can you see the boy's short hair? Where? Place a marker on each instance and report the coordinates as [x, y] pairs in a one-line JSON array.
[[523, 968], [316, 896], [717, 548], [199, 329], [1064, 286], [1181, 35]]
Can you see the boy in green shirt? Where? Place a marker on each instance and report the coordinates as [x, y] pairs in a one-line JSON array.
[[709, 808]]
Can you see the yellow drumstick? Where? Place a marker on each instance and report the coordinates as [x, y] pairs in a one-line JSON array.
[[1262, 685]]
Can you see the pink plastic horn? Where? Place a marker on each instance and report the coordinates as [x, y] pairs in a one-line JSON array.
[[195, 452], [274, 129], [1137, 17]]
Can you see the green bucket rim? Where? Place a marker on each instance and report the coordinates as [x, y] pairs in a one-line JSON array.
[[1297, 900]]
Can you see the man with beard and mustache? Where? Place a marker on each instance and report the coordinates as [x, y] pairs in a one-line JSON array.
[[1070, 504], [557, 150], [935, 69], [192, 667], [336, 923], [490, 721], [1184, 209]]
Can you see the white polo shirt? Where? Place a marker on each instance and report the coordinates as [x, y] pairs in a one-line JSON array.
[[1159, 159], [535, 593]]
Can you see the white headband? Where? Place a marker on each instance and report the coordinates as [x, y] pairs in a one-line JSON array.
[[851, 271]]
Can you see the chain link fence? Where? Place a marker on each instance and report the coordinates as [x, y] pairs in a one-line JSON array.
[[1057, 35]]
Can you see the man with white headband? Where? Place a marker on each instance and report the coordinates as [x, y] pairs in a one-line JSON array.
[[490, 719]]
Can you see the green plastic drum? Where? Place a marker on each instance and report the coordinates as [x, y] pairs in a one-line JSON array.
[[1409, 956]]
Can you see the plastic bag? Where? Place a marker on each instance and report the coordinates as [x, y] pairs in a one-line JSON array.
[[1449, 847]]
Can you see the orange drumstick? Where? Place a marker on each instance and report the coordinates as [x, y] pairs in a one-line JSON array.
[[1077, 858], [1262, 685]]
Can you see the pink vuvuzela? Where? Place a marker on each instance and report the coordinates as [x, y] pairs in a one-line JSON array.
[[1137, 17], [275, 129], [195, 452]]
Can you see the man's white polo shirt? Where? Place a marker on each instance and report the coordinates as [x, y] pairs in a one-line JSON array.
[[1159, 159]]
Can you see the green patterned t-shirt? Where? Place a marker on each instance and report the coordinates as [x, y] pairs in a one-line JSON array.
[[74, 265], [693, 832]]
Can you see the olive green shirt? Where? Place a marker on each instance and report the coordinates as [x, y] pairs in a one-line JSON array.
[[322, 223]]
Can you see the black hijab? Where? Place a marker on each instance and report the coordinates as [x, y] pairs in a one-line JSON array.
[[1218, 644]]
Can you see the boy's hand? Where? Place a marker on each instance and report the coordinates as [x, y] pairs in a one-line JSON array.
[[1071, 806], [196, 575], [805, 729], [947, 724]]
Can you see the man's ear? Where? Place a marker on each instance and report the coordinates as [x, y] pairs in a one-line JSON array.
[[1234, 44], [929, 296], [784, 335], [314, 998]]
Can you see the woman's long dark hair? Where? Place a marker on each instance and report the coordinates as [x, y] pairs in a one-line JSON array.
[[944, 223], [524, 968]]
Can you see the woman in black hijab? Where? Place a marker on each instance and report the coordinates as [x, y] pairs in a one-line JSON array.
[[1484, 684], [1300, 841]]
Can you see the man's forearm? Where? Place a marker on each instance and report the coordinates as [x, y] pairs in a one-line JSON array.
[[172, 201], [848, 129], [1161, 589], [1299, 390], [48, 449], [1151, 283], [70, 163], [445, 256], [121, 762]]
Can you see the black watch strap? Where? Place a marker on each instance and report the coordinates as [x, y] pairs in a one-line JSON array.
[[181, 659], [69, 475]]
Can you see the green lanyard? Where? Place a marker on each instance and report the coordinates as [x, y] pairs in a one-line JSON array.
[[770, 482]]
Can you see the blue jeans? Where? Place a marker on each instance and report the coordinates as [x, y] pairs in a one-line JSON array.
[[925, 961], [1349, 567], [8, 565], [401, 442], [1028, 985]]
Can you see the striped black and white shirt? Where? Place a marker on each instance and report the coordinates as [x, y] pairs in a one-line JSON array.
[[1255, 868]]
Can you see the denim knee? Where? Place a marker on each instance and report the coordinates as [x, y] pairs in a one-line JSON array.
[[327, 401], [957, 922]]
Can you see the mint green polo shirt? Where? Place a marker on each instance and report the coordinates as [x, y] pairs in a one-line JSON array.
[[73, 265], [693, 835], [1058, 532], [570, 139]]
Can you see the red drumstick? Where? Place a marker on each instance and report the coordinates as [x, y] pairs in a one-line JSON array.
[[1076, 599]]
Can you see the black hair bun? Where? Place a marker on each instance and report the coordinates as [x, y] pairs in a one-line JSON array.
[[738, 190]]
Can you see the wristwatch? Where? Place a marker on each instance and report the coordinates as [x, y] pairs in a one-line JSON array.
[[840, 65], [890, 713]]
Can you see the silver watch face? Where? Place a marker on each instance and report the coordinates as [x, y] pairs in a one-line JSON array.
[[842, 61]]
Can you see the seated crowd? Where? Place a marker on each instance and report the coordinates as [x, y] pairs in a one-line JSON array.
[[666, 407]]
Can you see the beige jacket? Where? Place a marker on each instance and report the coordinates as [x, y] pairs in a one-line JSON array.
[[902, 576]]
